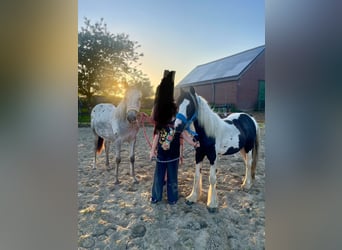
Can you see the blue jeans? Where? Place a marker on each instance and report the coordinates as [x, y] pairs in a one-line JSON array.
[[171, 168]]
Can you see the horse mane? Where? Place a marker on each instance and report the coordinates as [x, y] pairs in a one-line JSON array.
[[208, 119], [120, 112]]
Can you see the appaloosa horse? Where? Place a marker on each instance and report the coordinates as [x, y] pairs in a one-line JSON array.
[[118, 125], [238, 132]]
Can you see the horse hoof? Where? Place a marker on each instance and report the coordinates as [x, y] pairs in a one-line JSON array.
[[187, 202], [135, 182], [117, 182], [212, 209], [246, 187]]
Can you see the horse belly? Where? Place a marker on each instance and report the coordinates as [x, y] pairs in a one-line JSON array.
[[231, 151], [227, 149]]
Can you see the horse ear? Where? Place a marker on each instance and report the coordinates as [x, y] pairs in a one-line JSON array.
[[192, 90]]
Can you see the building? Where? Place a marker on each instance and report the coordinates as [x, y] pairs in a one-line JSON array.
[[236, 81]]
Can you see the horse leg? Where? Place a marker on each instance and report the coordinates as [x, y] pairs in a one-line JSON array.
[[132, 159], [117, 160], [107, 148], [197, 186], [212, 203], [247, 158]]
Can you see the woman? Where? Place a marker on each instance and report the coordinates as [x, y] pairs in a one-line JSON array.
[[166, 143]]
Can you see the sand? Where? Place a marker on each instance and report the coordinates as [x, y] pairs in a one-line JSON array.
[[120, 216]]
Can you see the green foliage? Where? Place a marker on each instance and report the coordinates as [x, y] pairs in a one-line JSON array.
[[107, 63], [84, 118], [146, 110]]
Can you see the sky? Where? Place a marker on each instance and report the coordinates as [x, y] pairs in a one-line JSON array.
[[181, 34]]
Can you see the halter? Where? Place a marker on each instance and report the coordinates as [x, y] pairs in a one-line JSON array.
[[134, 108], [187, 122]]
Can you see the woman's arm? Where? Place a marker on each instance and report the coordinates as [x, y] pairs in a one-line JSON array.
[[153, 152], [181, 149], [189, 139]]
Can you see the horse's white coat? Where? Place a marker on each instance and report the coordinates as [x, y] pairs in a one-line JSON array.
[[103, 121], [197, 186], [182, 110], [110, 123], [225, 134], [247, 157], [212, 201]]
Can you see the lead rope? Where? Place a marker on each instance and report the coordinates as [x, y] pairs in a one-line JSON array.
[[157, 160], [142, 121]]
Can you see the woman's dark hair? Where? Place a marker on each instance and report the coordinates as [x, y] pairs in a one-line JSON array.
[[164, 105]]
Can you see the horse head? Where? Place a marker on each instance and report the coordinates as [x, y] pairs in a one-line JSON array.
[[187, 110], [133, 103]]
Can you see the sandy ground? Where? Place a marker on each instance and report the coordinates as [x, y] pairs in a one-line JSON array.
[[121, 216]]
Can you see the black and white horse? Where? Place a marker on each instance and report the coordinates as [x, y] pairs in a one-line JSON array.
[[117, 124], [238, 132]]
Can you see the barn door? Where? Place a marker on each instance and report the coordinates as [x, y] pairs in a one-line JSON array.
[[261, 95]]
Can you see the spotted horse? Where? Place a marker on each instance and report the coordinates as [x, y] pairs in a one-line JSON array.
[[117, 125], [238, 132]]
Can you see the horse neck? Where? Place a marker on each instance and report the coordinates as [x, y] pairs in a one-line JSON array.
[[207, 118], [121, 111]]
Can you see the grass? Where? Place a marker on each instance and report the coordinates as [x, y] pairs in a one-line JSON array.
[[147, 111], [84, 118]]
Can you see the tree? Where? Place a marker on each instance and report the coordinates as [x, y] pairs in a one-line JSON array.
[[107, 62], [141, 81]]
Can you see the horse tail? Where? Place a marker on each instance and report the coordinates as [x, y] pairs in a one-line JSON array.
[[255, 153], [100, 145]]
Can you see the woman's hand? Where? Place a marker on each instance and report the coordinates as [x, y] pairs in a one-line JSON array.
[[166, 145], [196, 144], [153, 154], [181, 160]]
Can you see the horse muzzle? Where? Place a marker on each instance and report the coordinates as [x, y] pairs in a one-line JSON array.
[[132, 116]]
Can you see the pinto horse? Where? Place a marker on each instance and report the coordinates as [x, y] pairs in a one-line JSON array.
[[118, 125], [238, 132]]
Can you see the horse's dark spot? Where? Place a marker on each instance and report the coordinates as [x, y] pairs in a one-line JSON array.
[[231, 150], [247, 129]]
